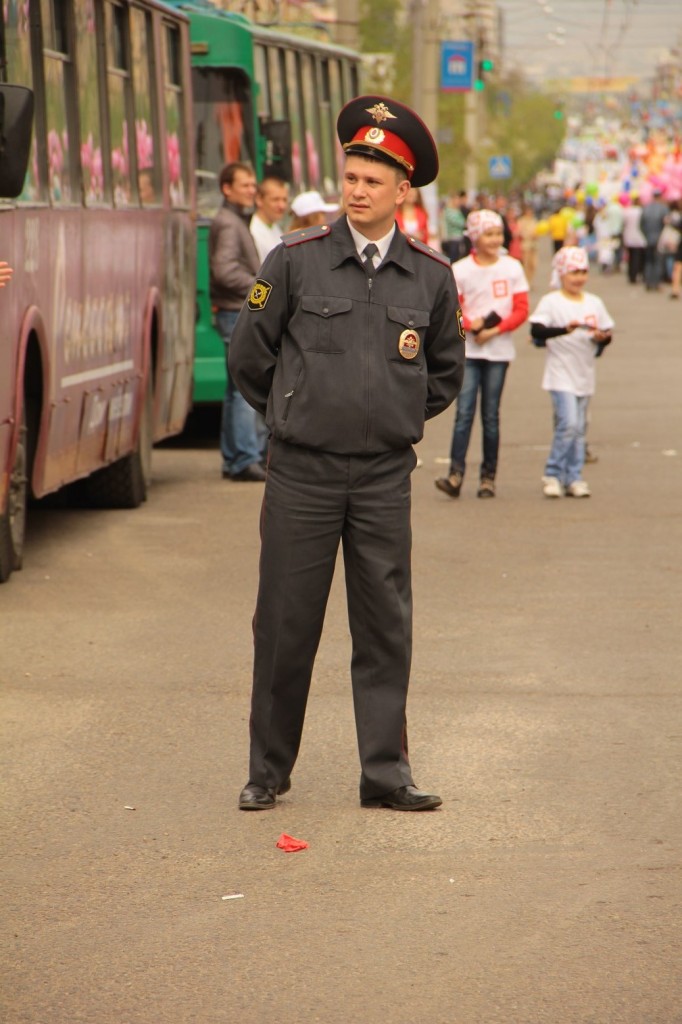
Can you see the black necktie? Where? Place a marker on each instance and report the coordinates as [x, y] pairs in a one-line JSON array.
[[369, 252]]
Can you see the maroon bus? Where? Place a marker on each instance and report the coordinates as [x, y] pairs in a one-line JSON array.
[[97, 322]]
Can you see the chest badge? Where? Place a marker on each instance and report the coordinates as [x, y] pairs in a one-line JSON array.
[[259, 294], [408, 344]]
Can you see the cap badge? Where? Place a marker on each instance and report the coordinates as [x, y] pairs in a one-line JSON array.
[[380, 112], [408, 344], [375, 135]]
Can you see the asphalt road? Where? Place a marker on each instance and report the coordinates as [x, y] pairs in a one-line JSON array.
[[545, 709]]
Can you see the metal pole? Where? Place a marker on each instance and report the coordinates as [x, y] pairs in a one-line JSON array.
[[471, 104], [425, 60], [417, 19], [471, 141], [432, 65]]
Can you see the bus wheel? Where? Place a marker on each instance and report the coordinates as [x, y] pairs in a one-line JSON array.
[[13, 518], [124, 484]]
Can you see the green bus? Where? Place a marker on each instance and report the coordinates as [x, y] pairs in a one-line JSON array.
[[270, 99]]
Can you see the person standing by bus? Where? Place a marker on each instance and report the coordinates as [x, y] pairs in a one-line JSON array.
[[272, 199], [348, 341], [233, 265]]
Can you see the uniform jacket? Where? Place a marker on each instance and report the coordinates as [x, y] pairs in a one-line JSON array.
[[316, 346], [233, 259]]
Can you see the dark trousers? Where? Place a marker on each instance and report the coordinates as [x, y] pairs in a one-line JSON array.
[[635, 262], [653, 267], [314, 500]]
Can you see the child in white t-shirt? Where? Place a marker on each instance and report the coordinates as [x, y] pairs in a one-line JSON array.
[[493, 292], [574, 326]]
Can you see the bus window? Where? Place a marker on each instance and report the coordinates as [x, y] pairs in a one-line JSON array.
[[336, 93], [146, 126], [18, 52], [118, 88], [327, 129], [222, 124], [311, 119], [278, 84], [58, 64], [296, 117], [264, 92], [92, 167], [175, 127]]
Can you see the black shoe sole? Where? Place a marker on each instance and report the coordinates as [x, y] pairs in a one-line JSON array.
[[257, 807], [250, 806], [424, 805]]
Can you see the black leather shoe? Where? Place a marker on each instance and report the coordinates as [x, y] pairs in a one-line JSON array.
[[258, 798], [253, 473], [407, 798]]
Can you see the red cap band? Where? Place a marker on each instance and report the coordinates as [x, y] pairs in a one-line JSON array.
[[385, 142]]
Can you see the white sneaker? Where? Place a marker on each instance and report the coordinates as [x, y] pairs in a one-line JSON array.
[[551, 487], [578, 489]]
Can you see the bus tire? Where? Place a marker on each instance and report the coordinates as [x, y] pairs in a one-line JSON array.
[[124, 484], [13, 516]]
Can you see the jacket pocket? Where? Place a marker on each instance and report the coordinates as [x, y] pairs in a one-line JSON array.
[[325, 324], [405, 334]]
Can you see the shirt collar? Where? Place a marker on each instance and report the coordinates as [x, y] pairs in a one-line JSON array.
[[343, 247], [382, 244]]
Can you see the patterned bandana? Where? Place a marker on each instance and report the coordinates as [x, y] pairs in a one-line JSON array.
[[480, 221], [566, 260]]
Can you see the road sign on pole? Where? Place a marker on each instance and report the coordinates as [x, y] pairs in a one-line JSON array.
[[500, 167], [456, 66]]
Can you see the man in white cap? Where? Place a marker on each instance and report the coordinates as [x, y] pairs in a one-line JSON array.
[[349, 340]]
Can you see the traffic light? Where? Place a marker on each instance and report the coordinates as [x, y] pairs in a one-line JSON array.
[[558, 114], [485, 66]]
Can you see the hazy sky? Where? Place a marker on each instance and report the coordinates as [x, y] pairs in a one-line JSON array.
[[555, 38]]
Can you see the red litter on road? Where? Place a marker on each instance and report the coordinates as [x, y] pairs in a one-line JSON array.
[[291, 845]]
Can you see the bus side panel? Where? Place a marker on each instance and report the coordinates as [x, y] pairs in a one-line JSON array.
[[9, 343], [179, 267], [210, 374]]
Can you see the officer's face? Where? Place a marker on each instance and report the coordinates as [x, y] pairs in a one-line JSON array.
[[371, 192]]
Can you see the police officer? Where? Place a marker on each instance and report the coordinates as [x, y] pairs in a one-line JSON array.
[[350, 338]]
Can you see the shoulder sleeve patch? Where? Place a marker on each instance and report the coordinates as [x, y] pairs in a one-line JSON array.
[[259, 294], [305, 234], [426, 250]]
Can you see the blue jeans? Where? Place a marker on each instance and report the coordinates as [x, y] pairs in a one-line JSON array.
[[488, 377], [567, 455], [238, 440]]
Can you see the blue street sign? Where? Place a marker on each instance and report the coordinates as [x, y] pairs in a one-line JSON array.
[[500, 167], [456, 66]]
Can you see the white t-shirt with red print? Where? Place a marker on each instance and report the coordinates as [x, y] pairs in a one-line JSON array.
[[485, 289], [569, 361]]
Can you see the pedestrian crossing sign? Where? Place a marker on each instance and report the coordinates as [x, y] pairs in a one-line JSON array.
[[500, 167]]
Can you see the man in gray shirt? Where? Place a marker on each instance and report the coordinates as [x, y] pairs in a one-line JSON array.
[[233, 264]]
